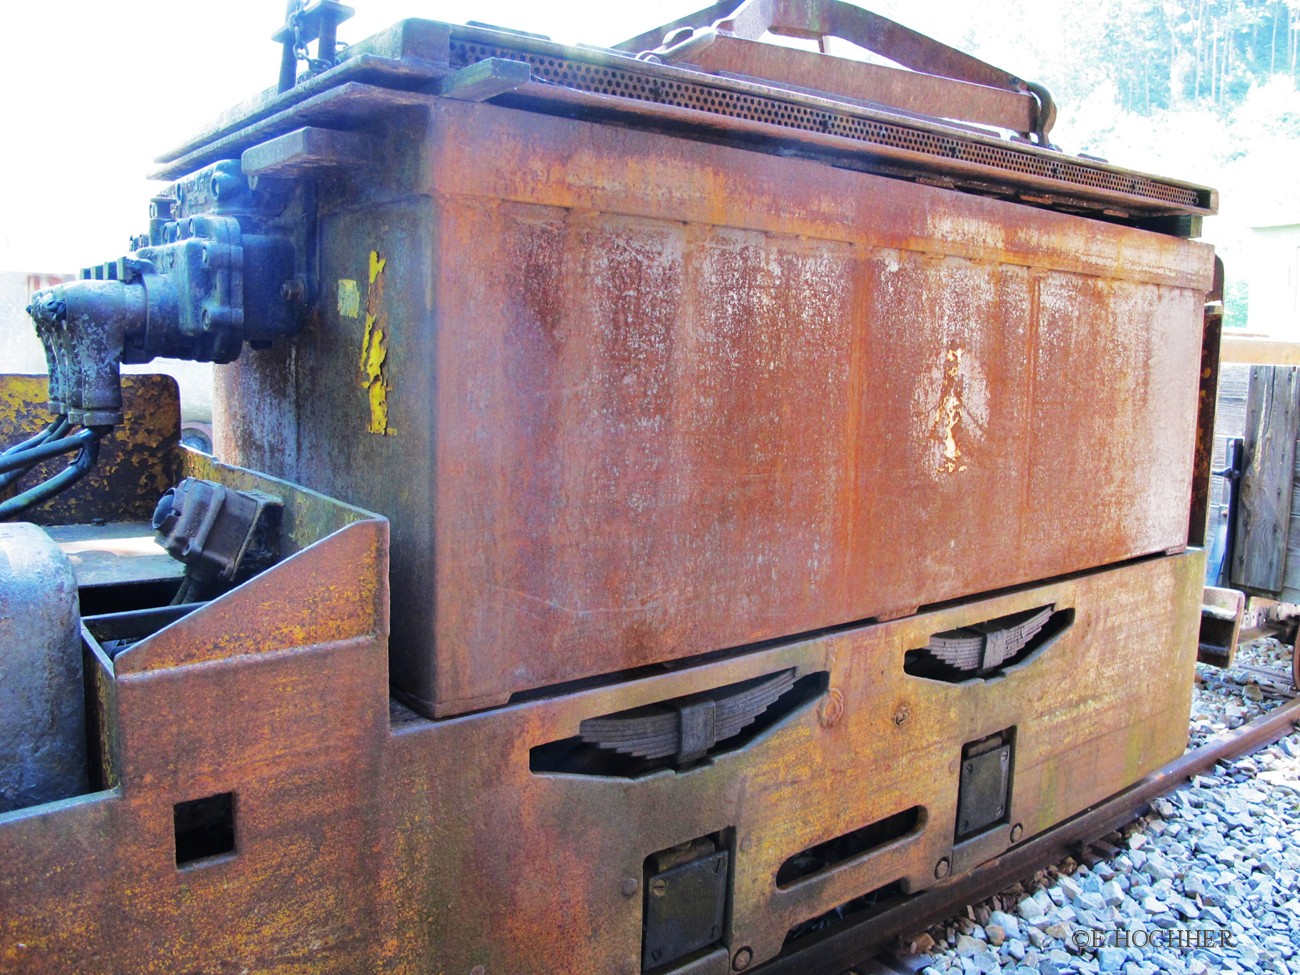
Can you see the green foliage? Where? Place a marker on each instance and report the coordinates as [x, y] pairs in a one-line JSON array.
[[1236, 301], [1162, 54]]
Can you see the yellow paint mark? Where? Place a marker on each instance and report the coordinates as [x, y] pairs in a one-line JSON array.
[[949, 414], [349, 298], [374, 350]]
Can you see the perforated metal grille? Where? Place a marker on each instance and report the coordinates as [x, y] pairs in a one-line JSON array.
[[624, 83]]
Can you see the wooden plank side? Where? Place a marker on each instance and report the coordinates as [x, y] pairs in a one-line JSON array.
[[1263, 522], [1291, 568]]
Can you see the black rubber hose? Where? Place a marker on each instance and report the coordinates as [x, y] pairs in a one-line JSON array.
[[47, 489], [52, 432], [55, 430], [51, 448]]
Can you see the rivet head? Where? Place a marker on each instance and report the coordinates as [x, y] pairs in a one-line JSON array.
[[942, 868], [630, 885], [832, 708], [1017, 831], [478, 970], [742, 959], [901, 715]]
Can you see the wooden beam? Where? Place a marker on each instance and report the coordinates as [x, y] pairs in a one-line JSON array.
[[1256, 351], [1264, 516]]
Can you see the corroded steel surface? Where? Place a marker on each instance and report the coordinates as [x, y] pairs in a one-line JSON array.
[[429, 847], [1207, 402], [767, 114], [910, 91], [851, 943], [138, 461], [276, 692], [647, 398]]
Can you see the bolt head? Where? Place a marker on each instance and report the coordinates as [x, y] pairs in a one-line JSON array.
[[659, 886], [942, 868], [742, 959], [1017, 831], [831, 710]]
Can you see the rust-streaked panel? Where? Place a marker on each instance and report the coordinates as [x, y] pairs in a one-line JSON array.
[[691, 398], [652, 398]]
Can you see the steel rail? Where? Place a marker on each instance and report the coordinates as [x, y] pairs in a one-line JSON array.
[[843, 948]]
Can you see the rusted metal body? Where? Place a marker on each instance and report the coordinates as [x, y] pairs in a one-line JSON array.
[[847, 946], [370, 839], [788, 502], [1207, 403], [653, 398]]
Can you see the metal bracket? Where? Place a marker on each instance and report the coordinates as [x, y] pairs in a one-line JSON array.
[[984, 791], [686, 892], [485, 79], [305, 150]]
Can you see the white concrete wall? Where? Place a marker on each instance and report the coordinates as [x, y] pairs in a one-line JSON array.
[[1274, 279]]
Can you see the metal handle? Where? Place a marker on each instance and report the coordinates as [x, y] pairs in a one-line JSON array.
[[817, 20]]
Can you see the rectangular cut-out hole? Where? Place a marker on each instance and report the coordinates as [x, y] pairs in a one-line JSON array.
[[205, 828], [850, 846], [859, 909]]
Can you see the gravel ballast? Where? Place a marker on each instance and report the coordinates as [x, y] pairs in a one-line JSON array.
[[1207, 881]]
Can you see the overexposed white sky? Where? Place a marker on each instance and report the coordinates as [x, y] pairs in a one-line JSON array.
[[91, 92]]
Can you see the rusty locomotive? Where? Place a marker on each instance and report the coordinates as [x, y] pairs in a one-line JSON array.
[[672, 501]]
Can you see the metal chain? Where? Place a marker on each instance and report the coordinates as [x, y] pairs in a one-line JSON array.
[[299, 45], [300, 50]]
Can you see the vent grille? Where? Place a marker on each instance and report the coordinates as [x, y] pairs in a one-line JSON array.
[[623, 83]]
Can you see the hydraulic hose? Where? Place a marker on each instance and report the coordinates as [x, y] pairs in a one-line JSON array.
[[56, 429], [47, 489], [46, 450]]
